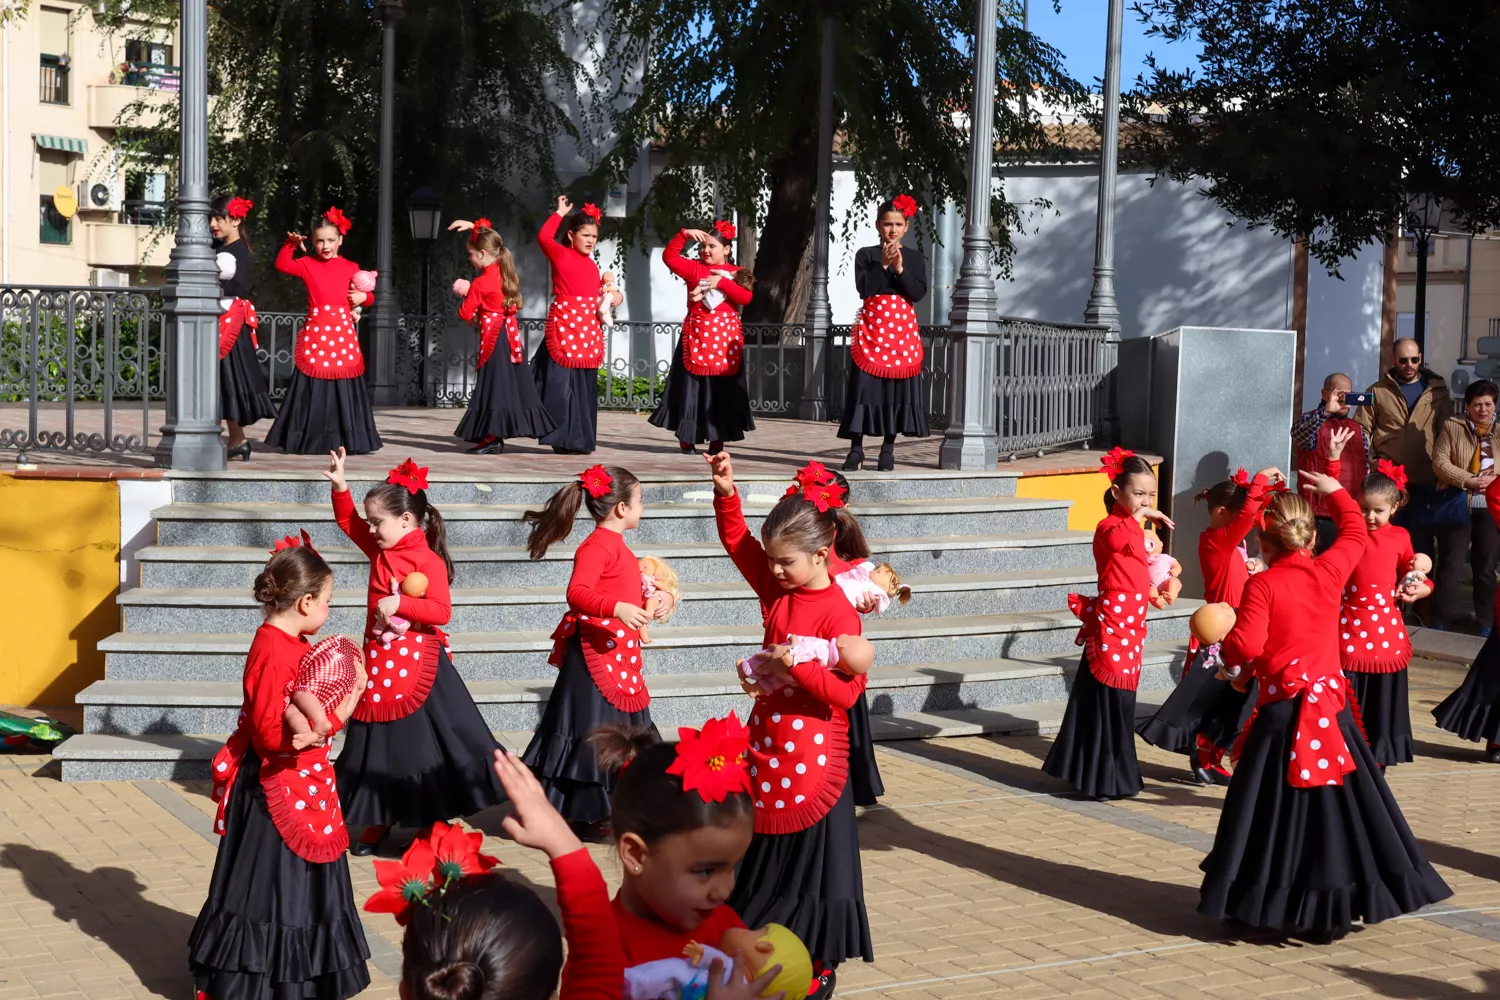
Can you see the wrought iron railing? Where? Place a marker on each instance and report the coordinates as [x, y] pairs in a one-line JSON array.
[[80, 368], [141, 212], [1049, 392]]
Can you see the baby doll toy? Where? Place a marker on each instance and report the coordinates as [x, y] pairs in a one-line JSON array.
[[607, 289], [415, 585], [1165, 585], [659, 590], [325, 676], [869, 581], [1416, 577], [363, 281], [686, 978], [1208, 627], [852, 654]]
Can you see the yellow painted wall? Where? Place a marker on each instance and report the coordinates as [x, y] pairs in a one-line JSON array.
[[1085, 489], [59, 572]]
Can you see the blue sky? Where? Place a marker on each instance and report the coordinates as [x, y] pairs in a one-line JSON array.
[[1078, 32]]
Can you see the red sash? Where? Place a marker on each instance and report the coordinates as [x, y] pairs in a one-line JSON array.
[[329, 344], [612, 653], [490, 325], [1320, 756], [240, 314], [575, 337], [887, 340], [400, 673], [712, 342], [1112, 636], [301, 796]]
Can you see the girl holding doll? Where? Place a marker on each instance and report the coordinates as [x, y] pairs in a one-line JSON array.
[[244, 397], [327, 405]]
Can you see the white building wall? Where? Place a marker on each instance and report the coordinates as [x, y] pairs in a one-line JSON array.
[[1343, 323]]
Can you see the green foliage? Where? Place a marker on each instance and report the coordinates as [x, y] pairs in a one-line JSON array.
[[617, 392]]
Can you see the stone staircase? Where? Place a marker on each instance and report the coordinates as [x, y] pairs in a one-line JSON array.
[[984, 646]]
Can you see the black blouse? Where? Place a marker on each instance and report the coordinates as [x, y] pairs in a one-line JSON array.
[[237, 287], [871, 278]]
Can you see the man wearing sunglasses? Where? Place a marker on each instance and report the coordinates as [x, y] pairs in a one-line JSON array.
[[1411, 405]]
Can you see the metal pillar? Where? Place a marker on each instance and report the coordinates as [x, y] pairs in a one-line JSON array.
[[1422, 244], [819, 317], [974, 325], [386, 322], [1102, 309], [190, 437]]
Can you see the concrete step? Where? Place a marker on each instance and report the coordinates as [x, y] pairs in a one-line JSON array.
[[522, 655], [476, 609], [235, 566], [687, 521], [502, 488], [912, 703]]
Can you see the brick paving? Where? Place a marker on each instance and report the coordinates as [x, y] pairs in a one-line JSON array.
[[981, 877]]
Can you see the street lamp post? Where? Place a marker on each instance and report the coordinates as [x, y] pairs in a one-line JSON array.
[[424, 211], [814, 404], [1423, 218], [1102, 309], [387, 318], [974, 324], [190, 437]]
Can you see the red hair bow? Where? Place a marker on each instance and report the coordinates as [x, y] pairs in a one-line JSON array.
[[338, 219], [592, 211], [1395, 473], [1113, 462], [1240, 478], [597, 481], [238, 207], [409, 474], [711, 761], [433, 862], [725, 229], [905, 204], [293, 542]]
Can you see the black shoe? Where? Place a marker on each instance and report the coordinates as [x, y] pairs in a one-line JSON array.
[[495, 447], [1203, 774], [1492, 753], [364, 848], [887, 460], [241, 451], [560, 450], [823, 985], [478, 449], [854, 460], [687, 447]]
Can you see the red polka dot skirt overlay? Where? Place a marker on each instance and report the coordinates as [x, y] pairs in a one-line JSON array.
[[1319, 755], [887, 339], [575, 337], [301, 796], [1113, 635], [712, 342], [329, 344], [240, 316], [1372, 636], [399, 674], [612, 652]]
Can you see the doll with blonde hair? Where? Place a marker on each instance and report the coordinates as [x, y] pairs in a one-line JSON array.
[[659, 589]]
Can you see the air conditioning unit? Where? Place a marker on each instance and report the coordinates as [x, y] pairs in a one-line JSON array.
[[98, 196], [104, 277]]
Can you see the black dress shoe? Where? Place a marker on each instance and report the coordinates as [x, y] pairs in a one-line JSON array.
[[854, 460], [823, 985], [1203, 774], [495, 447], [1492, 753], [887, 460], [240, 451], [360, 849], [687, 447]]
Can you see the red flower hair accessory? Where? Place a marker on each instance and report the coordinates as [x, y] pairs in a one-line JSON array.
[[1113, 462], [482, 223], [592, 211], [431, 865], [905, 204], [1395, 473], [825, 496], [238, 207], [409, 474], [1240, 478], [725, 229], [711, 761], [292, 542], [597, 481], [338, 219], [813, 473]]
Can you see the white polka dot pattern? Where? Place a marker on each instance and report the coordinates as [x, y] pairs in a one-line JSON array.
[[887, 339], [575, 338], [329, 344], [712, 342]]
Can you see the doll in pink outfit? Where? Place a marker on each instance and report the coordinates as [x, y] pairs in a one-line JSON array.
[[852, 654], [866, 582], [660, 592]]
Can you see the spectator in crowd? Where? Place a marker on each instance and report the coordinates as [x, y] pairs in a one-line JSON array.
[[1310, 440], [1411, 406], [1464, 458]]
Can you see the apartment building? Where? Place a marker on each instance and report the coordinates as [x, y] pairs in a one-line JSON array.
[[73, 211], [1463, 296]]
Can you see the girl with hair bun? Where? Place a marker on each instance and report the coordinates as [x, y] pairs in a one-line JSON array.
[[281, 875], [504, 403], [1094, 749], [417, 750], [1310, 838], [244, 397]]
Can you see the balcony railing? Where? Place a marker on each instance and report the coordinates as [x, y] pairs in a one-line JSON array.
[[150, 75], [140, 212], [54, 80]]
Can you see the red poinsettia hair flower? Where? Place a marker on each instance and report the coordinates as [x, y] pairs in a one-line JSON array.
[[1392, 471], [338, 220], [404, 882], [482, 223], [456, 853], [711, 760], [238, 207], [409, 474], [1113, 461], [824, 496], [1240, 478], [905, 204], [592, 211], [813, 473], [292, 542], [597, 481], [725, 229]]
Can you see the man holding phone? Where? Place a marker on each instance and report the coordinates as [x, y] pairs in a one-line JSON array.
[[1411, 404], [1312, 436]]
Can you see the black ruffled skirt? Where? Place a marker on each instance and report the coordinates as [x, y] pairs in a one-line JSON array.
[[1473, 711], [878, 407], [1200, 704], [320, 415], [864, 773], [505, 403], [810, 882], [244, 396], [435, 764], [274, 927], [1384, 713], [571, 398], [704, 408], [560, 754], [1094, 750], [1312, 860]]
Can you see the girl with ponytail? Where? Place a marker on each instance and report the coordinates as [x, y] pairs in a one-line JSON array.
[[417, 749]]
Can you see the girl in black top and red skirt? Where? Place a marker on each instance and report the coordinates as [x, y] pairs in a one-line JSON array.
[[884, 395], [244, 397]]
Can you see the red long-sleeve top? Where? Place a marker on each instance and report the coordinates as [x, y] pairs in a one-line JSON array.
[[573, 273], [646, 940], [327, 281], [394, 564], [486, 292], [605, 572], [1224, 572], [805, 726], [694, 271], [1300, 595], [269, 669], [595, 968]]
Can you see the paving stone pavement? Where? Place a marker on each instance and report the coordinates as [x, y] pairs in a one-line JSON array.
[[982, 878]]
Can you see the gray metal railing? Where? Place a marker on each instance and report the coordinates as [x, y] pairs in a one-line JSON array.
[[1049, 392], [80, 368]]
